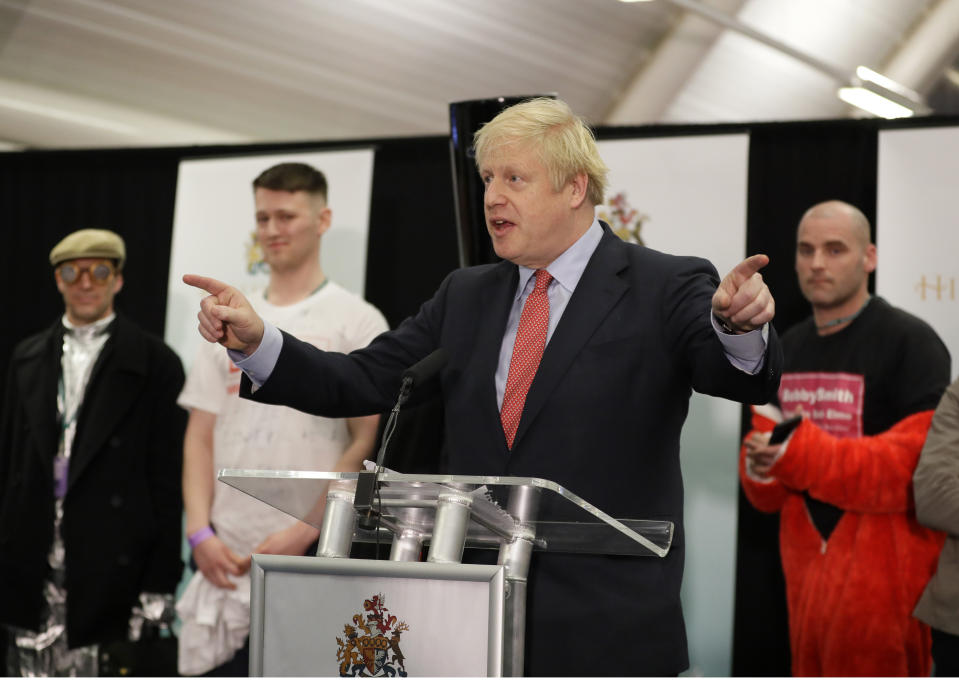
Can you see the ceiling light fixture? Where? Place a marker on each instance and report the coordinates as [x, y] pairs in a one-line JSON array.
[[871, 102], [882, 96]]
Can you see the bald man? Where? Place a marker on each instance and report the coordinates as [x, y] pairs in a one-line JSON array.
[[865, 377]]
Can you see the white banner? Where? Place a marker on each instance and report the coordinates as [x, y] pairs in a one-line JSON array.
[[687, 196], [213, 227], [917, 227]]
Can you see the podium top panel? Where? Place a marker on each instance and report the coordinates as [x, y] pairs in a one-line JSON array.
[[554, 518]]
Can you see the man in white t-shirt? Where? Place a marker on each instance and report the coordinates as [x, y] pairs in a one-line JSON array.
[[225, 526]]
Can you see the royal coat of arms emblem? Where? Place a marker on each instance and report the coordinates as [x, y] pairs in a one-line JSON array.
[[625, 221], [370, 646]]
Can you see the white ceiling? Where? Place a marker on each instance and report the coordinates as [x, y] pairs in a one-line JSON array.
[[88, 73]]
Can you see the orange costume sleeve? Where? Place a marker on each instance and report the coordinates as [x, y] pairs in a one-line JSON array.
[[862, 474]]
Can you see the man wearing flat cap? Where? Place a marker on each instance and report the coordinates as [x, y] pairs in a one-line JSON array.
[[90, 464]]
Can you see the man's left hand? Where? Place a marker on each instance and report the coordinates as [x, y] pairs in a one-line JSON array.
[[743, 299]]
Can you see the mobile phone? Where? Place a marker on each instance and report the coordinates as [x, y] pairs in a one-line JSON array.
[[784, 429]]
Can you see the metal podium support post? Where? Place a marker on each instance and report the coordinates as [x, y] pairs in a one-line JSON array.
[[408, 542], [515, 556], [336, 535], [449, 531], [407, 546]]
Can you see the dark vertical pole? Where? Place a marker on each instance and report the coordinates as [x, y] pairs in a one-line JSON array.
[[466, 118]]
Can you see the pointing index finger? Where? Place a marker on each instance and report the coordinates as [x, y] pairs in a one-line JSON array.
[[210, 285], [751, 265]]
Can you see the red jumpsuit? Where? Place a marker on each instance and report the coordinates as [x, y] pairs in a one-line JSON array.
[[850, 598]]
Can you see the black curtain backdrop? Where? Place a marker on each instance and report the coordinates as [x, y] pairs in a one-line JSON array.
[[46, 195], [413, 245], [412, 242]]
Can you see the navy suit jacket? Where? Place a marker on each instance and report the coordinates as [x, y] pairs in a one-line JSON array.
[[602, 418]]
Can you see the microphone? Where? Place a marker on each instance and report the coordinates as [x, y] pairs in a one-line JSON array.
[[426, 368], [366, 483]]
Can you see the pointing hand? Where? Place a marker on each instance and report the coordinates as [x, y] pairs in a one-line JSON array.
[[226, 316], [743, 299]]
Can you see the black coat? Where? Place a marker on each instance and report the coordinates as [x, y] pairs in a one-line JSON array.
[[123, 508], [602, 418]]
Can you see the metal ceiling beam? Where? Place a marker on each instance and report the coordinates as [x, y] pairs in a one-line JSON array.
[[734, 24], [930, 49], [878, 84], [656, 85]]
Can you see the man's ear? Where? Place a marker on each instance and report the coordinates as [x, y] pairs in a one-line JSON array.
[[117, 283], [579, 184], [324, 219], [870, 258]]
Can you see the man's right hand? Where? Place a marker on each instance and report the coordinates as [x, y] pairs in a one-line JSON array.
[[217, 562], [226, 316]]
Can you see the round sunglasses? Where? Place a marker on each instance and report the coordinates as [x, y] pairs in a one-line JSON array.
[[100, 272]]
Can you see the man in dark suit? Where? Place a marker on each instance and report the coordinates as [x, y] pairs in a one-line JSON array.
[[90, 462], [628, 333]]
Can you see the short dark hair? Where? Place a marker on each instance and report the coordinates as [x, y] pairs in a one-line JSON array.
[[293, 177]]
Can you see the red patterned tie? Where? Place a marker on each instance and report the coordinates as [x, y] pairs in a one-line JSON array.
[[527, 351]]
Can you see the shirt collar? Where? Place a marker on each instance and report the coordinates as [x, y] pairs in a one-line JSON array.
[[570, 265], [89, 330]]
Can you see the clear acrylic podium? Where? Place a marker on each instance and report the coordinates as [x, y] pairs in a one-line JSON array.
[[444, 514]]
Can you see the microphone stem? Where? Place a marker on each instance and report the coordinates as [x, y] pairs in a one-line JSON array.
[[390, 426]]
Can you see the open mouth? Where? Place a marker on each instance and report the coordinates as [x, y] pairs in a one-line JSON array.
[[500, 226]]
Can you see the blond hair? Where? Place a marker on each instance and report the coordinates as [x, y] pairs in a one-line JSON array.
[[565, 143]]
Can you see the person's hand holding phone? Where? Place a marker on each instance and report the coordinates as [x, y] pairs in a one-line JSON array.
[[763, 448]]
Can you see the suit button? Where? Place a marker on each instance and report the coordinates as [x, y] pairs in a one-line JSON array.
[[114, 442], [123, 560], [116, 501]]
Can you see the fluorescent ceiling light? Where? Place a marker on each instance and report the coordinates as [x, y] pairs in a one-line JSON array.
[[882, 96], [874, 103], [868, 75]]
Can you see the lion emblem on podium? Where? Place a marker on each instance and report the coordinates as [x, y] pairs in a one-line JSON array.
[[370, 646]]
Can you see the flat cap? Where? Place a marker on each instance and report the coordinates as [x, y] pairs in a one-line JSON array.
[[89, 243]]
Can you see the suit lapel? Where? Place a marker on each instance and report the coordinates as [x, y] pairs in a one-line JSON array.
[[493, 317], [598, 291]]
